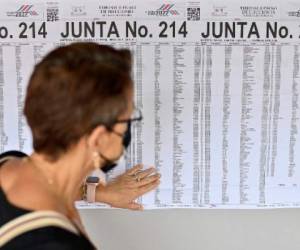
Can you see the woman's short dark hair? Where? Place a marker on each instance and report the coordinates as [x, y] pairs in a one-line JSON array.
[[74, 89]]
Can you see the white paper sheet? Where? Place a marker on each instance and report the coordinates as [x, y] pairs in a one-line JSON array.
[[221, 108]]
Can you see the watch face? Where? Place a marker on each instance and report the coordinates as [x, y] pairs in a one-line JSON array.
[[92, 180]]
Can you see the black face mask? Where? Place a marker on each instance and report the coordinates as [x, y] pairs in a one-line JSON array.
[[109, 164]]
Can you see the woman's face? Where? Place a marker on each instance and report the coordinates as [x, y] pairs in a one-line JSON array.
[[114, 149]]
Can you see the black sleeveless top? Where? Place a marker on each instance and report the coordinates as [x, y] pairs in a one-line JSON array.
[[46, 238]]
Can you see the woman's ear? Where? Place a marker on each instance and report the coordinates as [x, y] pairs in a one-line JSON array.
[[97, 137]]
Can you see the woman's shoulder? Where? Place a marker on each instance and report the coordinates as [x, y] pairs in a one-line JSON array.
[[9, 161], [8, 157], [10, 171], [18, 185]]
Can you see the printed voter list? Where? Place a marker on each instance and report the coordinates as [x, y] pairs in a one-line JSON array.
[[217, 82]]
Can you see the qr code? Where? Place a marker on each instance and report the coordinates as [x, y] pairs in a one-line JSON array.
[[52, 14], [193, 14]]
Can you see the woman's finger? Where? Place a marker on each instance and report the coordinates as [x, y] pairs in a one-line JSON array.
[[147, 180], [147, 188], [145, 173], [134, 170], [134, 206]]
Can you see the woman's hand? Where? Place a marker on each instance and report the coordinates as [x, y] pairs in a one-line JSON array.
[[122, 191]]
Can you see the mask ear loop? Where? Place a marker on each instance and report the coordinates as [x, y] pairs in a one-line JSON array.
[[111, 164]]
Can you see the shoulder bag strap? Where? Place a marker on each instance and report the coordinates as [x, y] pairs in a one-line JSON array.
[[34, 220]]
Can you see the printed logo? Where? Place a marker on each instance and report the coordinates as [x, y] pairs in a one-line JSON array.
[[24, 11], [294, 13], [219, 11], [164, 10], [78, 11]]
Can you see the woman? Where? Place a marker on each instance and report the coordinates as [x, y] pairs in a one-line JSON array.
[[79, 107]]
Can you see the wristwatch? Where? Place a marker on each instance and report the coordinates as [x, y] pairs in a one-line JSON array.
[[91, 184]]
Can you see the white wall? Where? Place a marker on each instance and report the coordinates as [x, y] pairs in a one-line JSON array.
[[194, 229]]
